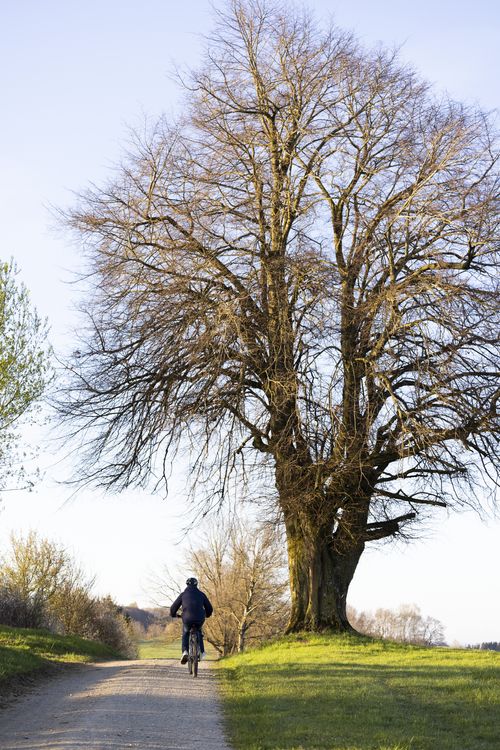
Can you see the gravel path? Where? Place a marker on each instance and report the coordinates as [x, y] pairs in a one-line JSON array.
[[151, 704]]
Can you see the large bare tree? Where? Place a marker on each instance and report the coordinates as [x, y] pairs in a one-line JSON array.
[[299, 277]]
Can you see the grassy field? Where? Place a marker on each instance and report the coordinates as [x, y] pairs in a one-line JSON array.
[[160, 649], [345, 693], [24, 651]]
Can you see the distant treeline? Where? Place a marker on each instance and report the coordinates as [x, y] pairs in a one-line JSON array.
[[406, 624], [486, 646]]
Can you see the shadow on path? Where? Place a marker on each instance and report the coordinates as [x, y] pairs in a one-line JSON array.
[[147, 704]]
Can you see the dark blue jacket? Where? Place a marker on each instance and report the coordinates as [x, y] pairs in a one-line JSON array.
[[195, 605]]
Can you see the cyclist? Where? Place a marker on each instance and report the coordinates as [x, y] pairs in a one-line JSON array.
[[195, 607]]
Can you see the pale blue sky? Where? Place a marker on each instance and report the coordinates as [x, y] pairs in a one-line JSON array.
[[73, 75]]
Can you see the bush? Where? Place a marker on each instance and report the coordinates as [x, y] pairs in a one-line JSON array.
[[18, 611], [35, 575], [41, 586], [109, 626], [76, 612]]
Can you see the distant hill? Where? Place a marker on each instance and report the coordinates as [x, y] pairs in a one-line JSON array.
[[147, 617]]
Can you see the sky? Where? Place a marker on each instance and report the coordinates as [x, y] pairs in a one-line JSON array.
[[74, 76]]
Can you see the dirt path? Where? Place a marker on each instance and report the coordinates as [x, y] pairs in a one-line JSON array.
[[151, 704]]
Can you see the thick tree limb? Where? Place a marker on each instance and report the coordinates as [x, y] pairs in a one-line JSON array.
[[382, 529]]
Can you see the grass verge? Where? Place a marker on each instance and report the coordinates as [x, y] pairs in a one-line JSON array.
[[320, 692], [25, 652]]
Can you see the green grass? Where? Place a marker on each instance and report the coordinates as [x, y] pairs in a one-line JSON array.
[[160, 649], [24, 651], [311, 692]]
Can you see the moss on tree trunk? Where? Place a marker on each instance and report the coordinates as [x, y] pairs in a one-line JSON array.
[[320, 575]]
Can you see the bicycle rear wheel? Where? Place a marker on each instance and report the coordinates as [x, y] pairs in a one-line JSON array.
[[194, 652]]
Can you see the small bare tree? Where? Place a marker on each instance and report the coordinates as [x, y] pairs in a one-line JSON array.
[[242, 572], [303, 271]]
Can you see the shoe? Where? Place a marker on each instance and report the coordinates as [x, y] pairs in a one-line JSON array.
[[185, 657]]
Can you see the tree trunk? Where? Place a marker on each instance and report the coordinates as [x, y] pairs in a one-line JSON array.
[[241, 636], [319, 579], [242, 629]]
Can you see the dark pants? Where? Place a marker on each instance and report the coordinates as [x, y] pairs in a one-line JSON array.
[[186, 627]]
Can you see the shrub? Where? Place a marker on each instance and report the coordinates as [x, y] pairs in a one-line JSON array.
[[76, 612], [110, 627], [17, 610], [41, 586]]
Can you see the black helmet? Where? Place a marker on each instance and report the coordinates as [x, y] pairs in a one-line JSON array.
[[191, 582]]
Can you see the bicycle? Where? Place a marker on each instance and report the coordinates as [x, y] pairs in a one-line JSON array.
[[194, 650]]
